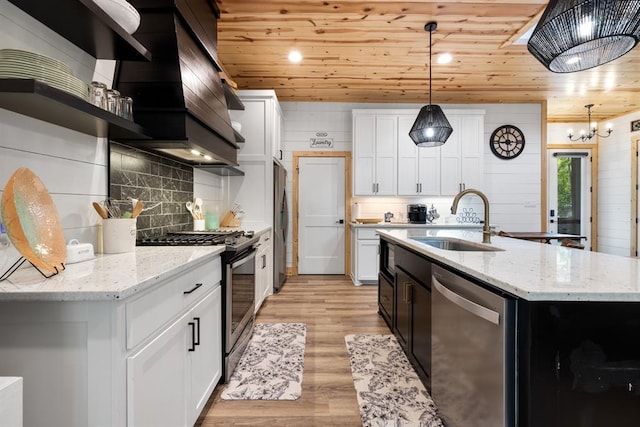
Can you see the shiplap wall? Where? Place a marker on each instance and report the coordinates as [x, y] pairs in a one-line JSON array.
[[72, 165], [512, 186], [614, 187]]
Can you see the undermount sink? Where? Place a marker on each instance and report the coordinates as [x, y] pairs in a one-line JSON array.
[[453, 244]]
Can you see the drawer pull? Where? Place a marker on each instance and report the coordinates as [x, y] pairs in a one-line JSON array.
[[192, 289], [196, 341], [193, 336]]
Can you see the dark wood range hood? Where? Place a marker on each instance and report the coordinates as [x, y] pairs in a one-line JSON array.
[[179, 97]]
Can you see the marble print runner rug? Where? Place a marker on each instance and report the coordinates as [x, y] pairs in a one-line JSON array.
[[388, 389], [271, 366]]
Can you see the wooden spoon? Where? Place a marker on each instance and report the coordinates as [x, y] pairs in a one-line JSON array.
[[101, 210], [137, 209]]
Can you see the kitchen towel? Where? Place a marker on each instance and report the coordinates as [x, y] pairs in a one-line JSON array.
[[388, 389], [271, 367]]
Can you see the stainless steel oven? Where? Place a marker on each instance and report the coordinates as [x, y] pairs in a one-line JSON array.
[[239, 304]]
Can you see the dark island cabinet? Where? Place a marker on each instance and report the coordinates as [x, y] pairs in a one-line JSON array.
[[579, 364], [386, 294], [412, 314]]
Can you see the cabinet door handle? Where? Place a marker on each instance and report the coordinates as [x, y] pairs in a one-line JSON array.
[[421, 187], [193, 289], [409, 293], [192, 325], [264, 261], [417, 187], [406, 286], [196, 341]]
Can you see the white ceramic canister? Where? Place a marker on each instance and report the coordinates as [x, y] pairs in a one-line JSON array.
[[119, 235]]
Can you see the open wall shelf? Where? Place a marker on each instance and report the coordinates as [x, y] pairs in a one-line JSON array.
[[87, 26], [41, 101]]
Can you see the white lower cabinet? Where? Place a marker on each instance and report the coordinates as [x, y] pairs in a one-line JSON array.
[[364, 266], [119, 362], [204, 363], [170, 379], [156, 379], [264, 269]]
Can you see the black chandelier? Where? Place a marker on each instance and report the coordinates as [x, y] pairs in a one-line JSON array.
[[431, 127], [593, 130], [575, 35]]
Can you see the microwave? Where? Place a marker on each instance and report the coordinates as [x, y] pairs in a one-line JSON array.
[[387, 259]]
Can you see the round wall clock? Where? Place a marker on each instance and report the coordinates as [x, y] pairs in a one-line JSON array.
[[507, 142]]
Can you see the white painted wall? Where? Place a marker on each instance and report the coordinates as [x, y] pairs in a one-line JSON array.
[[614, 187], [512, 186], [73, 166]]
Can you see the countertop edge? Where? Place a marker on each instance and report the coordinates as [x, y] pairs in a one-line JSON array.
[[572, 289], [26, 284]]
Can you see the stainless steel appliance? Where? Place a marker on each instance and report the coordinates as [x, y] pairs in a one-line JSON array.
[[280, 224], [238, 284], [417, 214], [473, 346]]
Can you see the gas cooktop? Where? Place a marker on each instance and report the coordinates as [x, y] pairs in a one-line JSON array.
[[233, 239]]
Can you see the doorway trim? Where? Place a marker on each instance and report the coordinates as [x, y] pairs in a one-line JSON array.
[[594, 186], [347, 205], [633, 251]]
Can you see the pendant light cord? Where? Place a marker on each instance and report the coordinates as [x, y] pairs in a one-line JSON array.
[[430, 31]]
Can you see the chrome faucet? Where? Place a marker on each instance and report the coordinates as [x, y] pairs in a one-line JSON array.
[[486, 230]]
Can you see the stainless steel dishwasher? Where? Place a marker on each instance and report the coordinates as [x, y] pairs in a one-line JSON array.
[[472, 350]]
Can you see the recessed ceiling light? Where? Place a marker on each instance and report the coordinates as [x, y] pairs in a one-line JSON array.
[[195, 152], [207, 157], [295, 56], [444, 58]]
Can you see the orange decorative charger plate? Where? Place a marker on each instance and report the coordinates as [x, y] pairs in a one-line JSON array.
[[32, 222]]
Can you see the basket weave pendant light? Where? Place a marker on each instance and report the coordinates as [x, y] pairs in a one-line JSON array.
[[431, 127], [575, 35]]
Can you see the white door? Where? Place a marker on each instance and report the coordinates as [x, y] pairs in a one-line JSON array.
[[321, 216], [569, 192]]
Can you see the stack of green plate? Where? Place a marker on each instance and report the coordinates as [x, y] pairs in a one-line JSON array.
[[20, 64]]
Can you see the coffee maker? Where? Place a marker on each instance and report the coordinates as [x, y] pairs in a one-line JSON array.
[[417, 214]]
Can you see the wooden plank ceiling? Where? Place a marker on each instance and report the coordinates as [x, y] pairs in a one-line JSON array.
[[377, 51]]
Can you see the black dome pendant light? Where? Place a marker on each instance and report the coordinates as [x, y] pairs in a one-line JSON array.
[[431, 128], [575, 35]]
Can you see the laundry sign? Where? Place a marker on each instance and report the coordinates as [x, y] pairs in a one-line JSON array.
[[321, 141]]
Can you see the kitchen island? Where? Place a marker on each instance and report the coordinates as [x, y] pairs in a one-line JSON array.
[[364, 245], [123, 339], [563, 333]]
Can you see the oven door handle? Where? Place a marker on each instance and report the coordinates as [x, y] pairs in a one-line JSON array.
[[244, 259]]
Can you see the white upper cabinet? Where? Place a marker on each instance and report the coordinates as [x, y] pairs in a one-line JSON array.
[[461, 157], [418, 168], [388, 163], [262, 129], [375, 142]]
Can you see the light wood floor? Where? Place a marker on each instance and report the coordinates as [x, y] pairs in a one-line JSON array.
[[331, 307]]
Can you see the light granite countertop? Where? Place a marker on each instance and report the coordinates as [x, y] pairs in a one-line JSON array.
[[107, 277], [453, 225], [534, 271]]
